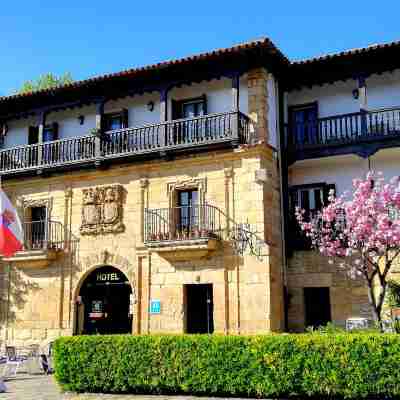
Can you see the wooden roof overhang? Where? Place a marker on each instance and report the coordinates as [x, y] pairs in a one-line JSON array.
[[350, 64], [157, 77]]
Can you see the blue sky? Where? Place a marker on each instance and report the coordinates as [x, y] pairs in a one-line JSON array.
[[88, 37]]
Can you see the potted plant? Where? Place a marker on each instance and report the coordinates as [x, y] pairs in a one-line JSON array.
[[96, 132]]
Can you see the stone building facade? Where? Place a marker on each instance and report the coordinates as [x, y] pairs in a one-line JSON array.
[[247, 293], [161, 199]]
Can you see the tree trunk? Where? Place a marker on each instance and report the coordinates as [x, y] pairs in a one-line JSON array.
[[376, 301]]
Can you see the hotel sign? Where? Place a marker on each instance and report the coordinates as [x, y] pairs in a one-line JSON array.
[[107, 277]]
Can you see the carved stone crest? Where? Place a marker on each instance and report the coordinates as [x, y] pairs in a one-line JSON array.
[[102, 210]]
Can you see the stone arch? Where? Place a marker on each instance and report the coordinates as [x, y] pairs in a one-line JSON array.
[[96, 261]]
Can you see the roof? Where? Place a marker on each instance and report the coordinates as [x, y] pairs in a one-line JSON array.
[[375, 58], [235, 57], [351, 52], [343, 65]]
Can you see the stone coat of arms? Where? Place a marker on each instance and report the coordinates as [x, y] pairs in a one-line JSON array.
[[102, 210]]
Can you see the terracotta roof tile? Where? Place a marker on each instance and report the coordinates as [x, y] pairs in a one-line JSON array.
[[351, 52], [259, 43]]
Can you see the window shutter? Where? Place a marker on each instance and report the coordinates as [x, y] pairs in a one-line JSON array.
[[204, 104], [125, 118], [33, 135], [54, 126], [175, 111], [327, 189]]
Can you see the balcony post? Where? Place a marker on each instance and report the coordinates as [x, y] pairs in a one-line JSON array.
[[235, 107], [235, 92], [163, 116], [99, 129], [362, 97], [41, 126]]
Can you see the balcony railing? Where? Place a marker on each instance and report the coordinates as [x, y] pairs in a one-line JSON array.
[[208, 130], [43, 235], [183, 223], [344, 129]]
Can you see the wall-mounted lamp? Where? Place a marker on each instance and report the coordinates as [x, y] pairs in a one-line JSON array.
[[356, 94], [81, 119], [150, 105]]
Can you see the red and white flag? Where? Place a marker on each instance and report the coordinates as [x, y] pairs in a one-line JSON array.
[[11, 233]]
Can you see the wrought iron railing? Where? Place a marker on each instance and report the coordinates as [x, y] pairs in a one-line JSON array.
[[43, 235], [183, 223], [344, 129], [183, 133]]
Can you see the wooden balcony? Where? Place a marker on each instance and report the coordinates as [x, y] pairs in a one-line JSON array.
[[43, 242], [361, 133], [150, 141], [180, 233]]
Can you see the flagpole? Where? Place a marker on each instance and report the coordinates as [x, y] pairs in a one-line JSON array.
[[8, 304]]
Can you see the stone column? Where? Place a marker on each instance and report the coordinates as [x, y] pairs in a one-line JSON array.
[[69, 257], [137, 326], [228, 173], [144, 183], [257, 80]]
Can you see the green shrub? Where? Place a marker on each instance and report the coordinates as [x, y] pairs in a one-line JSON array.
[[340, 365]]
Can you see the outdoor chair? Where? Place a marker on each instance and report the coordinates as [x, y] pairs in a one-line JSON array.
[[13, 362]]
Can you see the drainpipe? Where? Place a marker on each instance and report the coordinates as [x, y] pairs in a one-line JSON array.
[[283, 187]]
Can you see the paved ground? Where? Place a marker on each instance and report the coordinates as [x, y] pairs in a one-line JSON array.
[[41, 387], [31, 387]]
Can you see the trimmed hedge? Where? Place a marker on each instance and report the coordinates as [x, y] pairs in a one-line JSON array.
[[343, 365]]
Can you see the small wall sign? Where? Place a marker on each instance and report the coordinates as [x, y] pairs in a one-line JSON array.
[[155, 307]]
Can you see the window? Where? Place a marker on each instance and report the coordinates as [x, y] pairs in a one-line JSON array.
[[317, 306], [117, 120], [310, 198], [193, 129], [188, 212], [48, 153], [189, 108], [50, 132], [304, 122], [36, 227]]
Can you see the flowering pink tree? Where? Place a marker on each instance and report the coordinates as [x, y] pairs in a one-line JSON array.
[[363, 231]]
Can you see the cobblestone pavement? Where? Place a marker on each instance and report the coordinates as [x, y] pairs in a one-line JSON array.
[[42, 387]]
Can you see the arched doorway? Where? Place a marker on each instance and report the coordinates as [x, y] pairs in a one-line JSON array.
[[105, 303]]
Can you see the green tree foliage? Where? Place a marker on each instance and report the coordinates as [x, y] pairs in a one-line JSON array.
[[393, 295], [317, 365], [45, 81]]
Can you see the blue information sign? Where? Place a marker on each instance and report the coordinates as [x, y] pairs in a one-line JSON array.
[[155, 307]]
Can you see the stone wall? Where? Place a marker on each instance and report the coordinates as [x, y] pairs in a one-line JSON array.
[[348, 296], [257, 82], [248, 295]]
